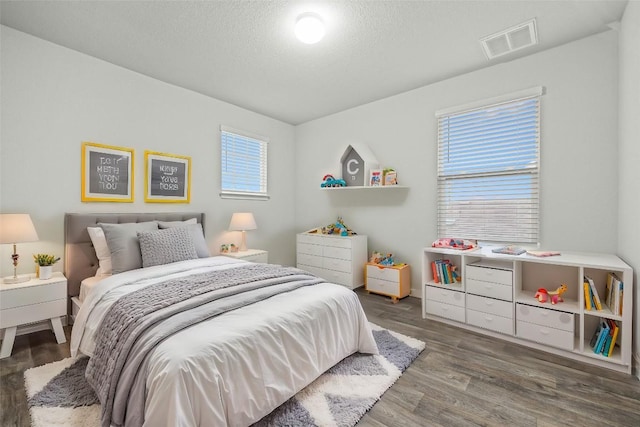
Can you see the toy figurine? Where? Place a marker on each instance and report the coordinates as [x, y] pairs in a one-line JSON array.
[[388, 260], [330, 181], [376, 257], [555, 296], [542, 295]]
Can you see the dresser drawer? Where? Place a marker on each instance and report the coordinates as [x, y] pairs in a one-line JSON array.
[[488, 274], [337, 242], [337, 264], [338, 277], [312, 239], [382, 273], [309, 249], [446, 296], [492, 322], [313, 260], [383, 286], [339, 253], [33, 313], [542, 316], [490, 306], [544, 335], [19, 297], [445, 310], [489, 289]]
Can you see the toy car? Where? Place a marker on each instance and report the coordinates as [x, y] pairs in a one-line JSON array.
[[330, 181]]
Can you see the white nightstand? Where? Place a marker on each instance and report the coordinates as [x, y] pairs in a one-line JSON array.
[[253, 255], [29, 302]]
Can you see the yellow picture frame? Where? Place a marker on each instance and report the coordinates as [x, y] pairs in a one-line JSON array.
[[167, 178], [107, 173]]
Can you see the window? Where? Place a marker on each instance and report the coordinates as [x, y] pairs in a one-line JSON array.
[[243, 165], [488, 168]]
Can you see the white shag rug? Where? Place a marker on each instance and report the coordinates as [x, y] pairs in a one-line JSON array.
[[59, 395]]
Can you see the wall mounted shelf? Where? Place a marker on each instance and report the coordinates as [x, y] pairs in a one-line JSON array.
[[381, 187]]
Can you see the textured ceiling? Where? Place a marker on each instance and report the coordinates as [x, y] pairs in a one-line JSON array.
[[245, 53]]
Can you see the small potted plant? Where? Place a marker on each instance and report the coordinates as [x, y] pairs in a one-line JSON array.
[[45, 265]]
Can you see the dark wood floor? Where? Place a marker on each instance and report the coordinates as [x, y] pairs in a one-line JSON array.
[[461, 379]]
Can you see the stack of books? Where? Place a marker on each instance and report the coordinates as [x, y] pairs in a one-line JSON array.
[[604, 338], [614, 294], [444, 272], [591, 297]]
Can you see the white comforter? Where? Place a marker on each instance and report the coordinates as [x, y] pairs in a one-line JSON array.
[[235, 368]]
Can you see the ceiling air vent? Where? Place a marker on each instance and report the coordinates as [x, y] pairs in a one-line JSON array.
[[510, 40]]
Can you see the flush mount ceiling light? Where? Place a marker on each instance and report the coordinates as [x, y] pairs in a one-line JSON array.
[[309, 28]]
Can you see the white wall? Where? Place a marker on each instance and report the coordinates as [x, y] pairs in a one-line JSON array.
[[578, 156], [54, 98], [629, 155]]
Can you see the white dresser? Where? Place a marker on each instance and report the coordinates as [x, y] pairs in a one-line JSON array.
[[337, 259]]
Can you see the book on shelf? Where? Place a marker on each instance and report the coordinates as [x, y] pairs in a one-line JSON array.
[[434, 271], [614, 336], [587, 296], [594, 292], [605, 346], [607, 297], [615, 294], [604, 332], [444, 272], [543, 253], [594, 337], [509, 250]]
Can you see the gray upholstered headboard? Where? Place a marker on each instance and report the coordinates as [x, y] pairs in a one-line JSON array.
[[80, 259]]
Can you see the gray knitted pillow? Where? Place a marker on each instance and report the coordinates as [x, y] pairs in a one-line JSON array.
[[166, 246]]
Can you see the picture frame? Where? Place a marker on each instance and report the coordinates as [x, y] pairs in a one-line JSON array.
[[167, 178], [107, 173]]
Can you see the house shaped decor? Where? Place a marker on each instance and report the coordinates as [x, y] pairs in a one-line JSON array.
[[357, 161]]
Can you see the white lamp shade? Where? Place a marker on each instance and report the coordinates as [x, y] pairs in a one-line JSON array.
[[17, 228], [242, 221]]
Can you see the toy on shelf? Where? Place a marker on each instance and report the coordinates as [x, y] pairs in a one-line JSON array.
[[390, 177], [338, 228], [554, 296], [330, 181], [460, 244], [387, 260], [542, 295]]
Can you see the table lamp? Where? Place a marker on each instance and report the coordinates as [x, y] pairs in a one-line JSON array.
[[242, 221], [16, 228]]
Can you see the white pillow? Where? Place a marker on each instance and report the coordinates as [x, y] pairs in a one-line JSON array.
[[102, 250]]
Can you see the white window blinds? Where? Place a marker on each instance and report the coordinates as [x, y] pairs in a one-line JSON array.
[[488, 167], [243, 164]]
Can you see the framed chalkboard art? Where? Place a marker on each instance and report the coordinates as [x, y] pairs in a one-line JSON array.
[[167, 178], [107, 173]]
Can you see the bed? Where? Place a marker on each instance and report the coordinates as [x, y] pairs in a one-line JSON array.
[[189, 366]]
